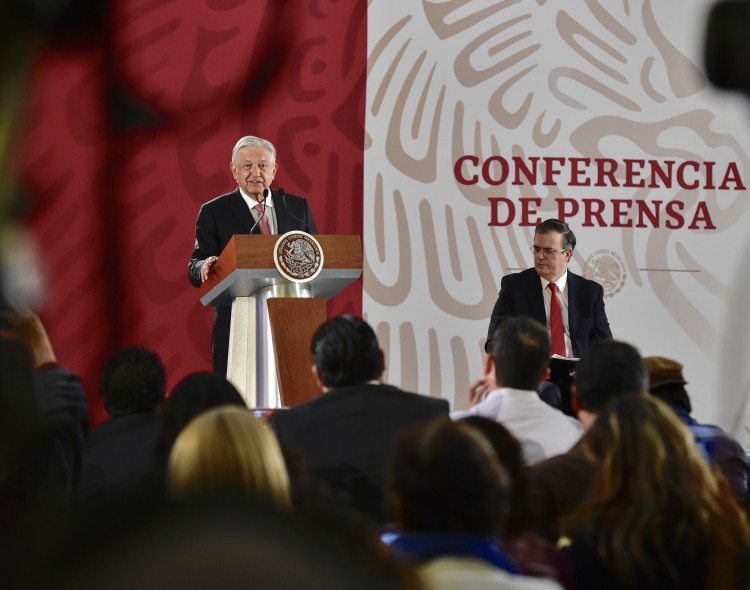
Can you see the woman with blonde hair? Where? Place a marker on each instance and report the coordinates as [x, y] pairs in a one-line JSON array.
[[657, 515], [227, 451]]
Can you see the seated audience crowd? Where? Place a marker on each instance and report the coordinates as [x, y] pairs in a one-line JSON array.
[[366, 485]]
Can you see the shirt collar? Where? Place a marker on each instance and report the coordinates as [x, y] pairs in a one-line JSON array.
[[251, 202], [505, 391], [561, 282]]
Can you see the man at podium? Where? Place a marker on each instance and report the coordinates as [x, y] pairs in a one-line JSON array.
[[253, 207]]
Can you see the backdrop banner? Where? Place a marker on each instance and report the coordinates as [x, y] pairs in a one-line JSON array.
[[484, 118]]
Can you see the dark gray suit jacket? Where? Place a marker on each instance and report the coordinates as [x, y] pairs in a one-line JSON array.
[[521, 295], [345, 437], [227, 215]]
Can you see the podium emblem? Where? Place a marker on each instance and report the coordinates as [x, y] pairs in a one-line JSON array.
[[298, 256]]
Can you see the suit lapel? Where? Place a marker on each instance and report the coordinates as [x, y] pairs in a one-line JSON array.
[[242, 218], [536, 298]]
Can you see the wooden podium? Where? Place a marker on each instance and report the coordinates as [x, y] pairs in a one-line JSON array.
[[273, 317]]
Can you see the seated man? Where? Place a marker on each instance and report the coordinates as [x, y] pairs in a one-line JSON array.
[[668, 384], [514, 367], [550, 293], [569, 305], [345, 434]]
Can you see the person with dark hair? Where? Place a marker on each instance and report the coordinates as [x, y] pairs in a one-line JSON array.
[[133, 380], [514, 367], [656, 516], [534, 555], [345, 351], [252, 208], [571, 306], [345, 434], [194, 394], [609, 369], [118, 453], [450, 497], [556, 486], [667, 382]]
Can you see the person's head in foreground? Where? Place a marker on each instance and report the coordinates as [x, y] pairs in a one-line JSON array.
[[445, 478], [227, 451], [657, 515]]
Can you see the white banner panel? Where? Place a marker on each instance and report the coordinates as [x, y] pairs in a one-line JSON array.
[[485, 117]]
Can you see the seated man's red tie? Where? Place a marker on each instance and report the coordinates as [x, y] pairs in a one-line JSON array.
[[557, 331]]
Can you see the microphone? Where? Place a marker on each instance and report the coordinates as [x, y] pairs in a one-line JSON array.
[[262, 213], [308, 227]]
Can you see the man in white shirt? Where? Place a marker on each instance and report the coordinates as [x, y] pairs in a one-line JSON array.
[[516, 364]]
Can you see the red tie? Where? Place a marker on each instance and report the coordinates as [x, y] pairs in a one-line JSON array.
[[555, 322], [265, 228]]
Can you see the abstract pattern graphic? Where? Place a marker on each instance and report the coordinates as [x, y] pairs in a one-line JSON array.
[[545, 84]]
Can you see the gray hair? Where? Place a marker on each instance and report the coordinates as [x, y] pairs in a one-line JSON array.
[[252, 141], [560, 227]]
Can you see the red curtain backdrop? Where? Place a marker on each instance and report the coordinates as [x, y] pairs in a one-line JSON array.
[[129, 129]]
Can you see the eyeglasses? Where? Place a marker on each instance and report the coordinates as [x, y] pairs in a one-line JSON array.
[[536, 250]]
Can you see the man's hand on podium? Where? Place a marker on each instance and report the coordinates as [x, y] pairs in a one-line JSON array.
[[207, 267]]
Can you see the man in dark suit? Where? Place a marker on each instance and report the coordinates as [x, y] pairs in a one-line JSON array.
[[527, 293], [253, 207], [118, 456], [345, 435]]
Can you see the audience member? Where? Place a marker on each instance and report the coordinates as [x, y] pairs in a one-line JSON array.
[[228, 452], [43, 413], [609, 368], [450, 497], [227, 543], [515, 365], [345, 434], [118, 455], [43, 422], [193, 395], [534, 555], [666, 382], [657, 517]]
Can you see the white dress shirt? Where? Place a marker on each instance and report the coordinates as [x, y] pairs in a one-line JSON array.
[[270, 211], [528, 418]]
